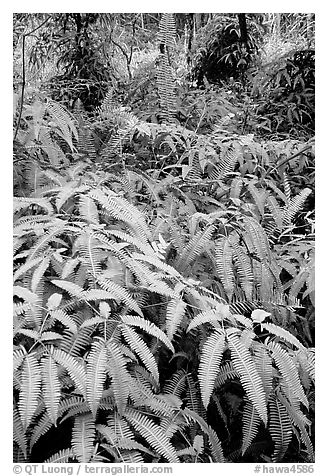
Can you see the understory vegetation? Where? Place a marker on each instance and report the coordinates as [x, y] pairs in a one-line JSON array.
[[163, 238]]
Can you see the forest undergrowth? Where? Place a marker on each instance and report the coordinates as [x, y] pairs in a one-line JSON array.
[[163, 242]]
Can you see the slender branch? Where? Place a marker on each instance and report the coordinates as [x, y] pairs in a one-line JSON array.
[[288, 159]]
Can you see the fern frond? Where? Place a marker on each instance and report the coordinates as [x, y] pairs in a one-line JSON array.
[[28, 265], [296, 417], [74, 368], [263, 363], [141, 349], [83, 435], [96, 374], [280, 428], [63, 456], [251, 423], [119, 375], [120, 294], [288, 371], [195, 247], [19, 433], [51, 387], [209, 365], [250, 379], [153, 434], [30, 388], [244, 270], [258, 238], [223, 262], [88, 209], [295, 205], [215, 444], [224, 165], [149, 327], [282, 334], [175, 312], [176, 384]]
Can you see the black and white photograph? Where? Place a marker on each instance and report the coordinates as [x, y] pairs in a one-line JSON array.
[[163, 241]]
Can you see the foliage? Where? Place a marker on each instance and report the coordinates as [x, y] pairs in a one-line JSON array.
[[163, 273], [220, 52]]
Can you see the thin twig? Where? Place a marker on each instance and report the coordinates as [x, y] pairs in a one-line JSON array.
[[288, 159]]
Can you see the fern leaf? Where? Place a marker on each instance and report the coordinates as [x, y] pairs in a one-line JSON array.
[[69, 267], [153, 434], [72, 288], [296, 417], [120, 294], [63, 456], [26, 267], [288, 371], [19, 433], [51, 387], [195, 247], [209, 365], [210, 316], [139, 346], [263, 362], [74, 368], [244, 270], [223, 261], [30, 389], [283, 334], [83, 436], [176, 384], [280, 429], [214, 441], [42, 426], [295, 205], [65, 319], [250, 379], [96, 374], [175, 312], [251, 423], [149, 327], [119, 375]]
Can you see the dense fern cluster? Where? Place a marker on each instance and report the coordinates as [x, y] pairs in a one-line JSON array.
[[161, 279]]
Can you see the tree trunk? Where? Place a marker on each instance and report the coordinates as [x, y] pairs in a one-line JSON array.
[[243, 30]]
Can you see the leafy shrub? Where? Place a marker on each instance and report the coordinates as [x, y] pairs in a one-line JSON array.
[[286, 88], [220, 53]]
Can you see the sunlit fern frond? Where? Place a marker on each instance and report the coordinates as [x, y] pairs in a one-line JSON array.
[[251, 423], [30, 388], [51, 387], [288, 371], [83, 436], [62, 456], [209, 365], [197, 245], [295, 205], [243, 266], [280, 428], [153, 434], [250, 379], [223, 261], [138, 345], [297, 418], [224, 165], [176, 384], [19, 434], [96, 374]]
